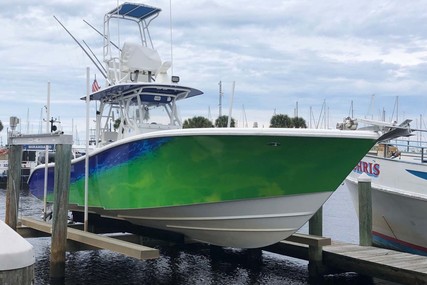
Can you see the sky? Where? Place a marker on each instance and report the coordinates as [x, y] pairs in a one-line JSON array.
[[320, 60]]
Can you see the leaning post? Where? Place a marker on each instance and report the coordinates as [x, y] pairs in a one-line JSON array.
[[365, 210], [60, 213], [13, 185]]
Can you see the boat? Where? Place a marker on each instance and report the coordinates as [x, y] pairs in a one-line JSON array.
[[3, 167], [30, 159], [398, 173], [234, 187], [31, 156]]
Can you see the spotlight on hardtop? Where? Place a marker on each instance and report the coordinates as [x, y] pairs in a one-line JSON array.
[[175, 79]]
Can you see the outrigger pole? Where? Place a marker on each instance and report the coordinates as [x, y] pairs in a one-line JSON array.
[[100, 64], [93, 61], [101, 34]]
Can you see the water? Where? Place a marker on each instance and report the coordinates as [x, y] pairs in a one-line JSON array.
[[195, 264]]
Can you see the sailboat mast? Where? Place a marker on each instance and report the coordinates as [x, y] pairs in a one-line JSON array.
[[296, 110], [231, 104], [220, 99]]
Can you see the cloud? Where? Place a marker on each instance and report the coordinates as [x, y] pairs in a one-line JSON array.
[[277, 52]]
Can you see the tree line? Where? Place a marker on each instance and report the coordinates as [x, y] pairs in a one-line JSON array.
[[276, 121]]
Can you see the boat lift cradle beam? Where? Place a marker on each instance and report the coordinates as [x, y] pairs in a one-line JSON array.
[[94, 241]]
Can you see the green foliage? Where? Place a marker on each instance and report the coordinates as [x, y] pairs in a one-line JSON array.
[[299, 122], [116, 124], [1, 126], [197, 122], [222, 122], [284, 121], [280, 121]]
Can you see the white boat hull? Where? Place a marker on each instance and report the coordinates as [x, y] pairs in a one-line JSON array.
[[246, 223], [399, 205]]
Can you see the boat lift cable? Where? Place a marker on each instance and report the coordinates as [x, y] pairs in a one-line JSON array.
[[116, 46], [80, 45]]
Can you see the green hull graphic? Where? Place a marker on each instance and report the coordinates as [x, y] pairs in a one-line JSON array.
[[207, 169]]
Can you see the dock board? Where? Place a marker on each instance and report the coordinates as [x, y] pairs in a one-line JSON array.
[[383, 263], [96, 241], [372, 261]]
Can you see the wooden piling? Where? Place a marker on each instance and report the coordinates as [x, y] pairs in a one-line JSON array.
[[13, 185], [315, 224], [315, 264], [60, 213], [365, 210]]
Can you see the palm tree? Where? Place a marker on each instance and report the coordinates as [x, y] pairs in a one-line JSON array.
[[281, 121], [284, 121], [197, 122], [222, 122], [299, 122]]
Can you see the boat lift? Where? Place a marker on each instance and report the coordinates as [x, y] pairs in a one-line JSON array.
[[59, 227]]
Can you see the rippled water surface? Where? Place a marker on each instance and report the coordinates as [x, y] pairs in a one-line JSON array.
[[195, 264]]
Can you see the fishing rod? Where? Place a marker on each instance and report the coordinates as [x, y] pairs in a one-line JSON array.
[[93, 61], [102, 35]]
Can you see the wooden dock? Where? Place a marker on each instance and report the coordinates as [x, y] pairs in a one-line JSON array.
[[383, 263], [335, 257], [372, 261]]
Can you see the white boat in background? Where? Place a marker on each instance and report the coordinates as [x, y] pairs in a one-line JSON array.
[[399, 194], [3, 167], [30, 159]]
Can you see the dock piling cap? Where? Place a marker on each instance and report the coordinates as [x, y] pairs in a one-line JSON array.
[[364, 178], [15, 251]]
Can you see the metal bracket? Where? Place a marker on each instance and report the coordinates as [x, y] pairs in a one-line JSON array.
[[40, 139]]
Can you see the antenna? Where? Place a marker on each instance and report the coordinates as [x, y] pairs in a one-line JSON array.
[[171, 34]]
